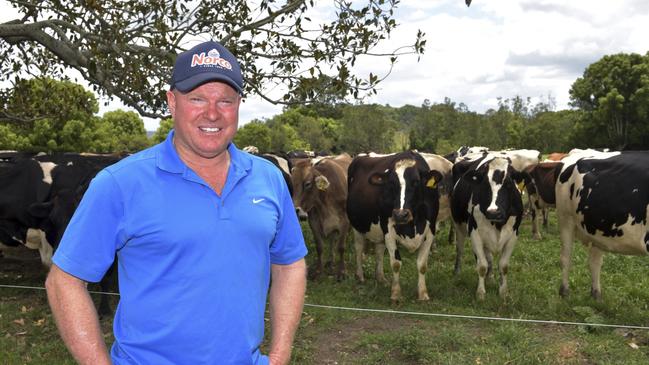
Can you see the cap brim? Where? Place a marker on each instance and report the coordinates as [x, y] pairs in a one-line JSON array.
[[195, 81]]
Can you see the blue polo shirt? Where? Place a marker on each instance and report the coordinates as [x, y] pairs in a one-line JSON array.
[[194, 267]]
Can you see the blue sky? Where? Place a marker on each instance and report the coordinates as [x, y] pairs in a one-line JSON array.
[[495, 48]]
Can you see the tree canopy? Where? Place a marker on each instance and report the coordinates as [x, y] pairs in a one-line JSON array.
[[613, 93], [127, 48]]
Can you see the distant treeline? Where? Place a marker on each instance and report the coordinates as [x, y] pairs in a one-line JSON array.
[[609, 109]]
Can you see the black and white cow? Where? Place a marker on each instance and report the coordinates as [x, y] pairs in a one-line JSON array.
[[486, 205], [22, 183], [602, 200], [35, 181], [393, 199], [444, 187], [281, 162]]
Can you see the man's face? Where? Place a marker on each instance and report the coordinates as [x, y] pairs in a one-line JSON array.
[[205, 120]]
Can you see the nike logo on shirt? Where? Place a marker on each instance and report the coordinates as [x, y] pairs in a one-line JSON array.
[[255, 201]]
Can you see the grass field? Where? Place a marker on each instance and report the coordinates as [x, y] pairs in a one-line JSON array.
[[342, 336]]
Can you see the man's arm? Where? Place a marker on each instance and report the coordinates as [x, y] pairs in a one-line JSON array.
[[286, 302], [76, 317]]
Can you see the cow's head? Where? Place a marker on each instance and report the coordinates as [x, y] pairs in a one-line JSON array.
[[406, 188], [494, 187], [308, 184]]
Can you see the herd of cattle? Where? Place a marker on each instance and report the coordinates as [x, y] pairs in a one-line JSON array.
[[394, 201]]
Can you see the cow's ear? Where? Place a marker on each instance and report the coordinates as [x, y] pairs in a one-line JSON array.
[[40, 210], [517, 176], [321, 182], [433, 178], [378, 178]]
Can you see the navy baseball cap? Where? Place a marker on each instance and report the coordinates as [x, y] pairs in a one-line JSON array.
[[208, 61]]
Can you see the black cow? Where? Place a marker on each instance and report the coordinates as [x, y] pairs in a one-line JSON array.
[[393, 199], [602, 200], [487, 206]]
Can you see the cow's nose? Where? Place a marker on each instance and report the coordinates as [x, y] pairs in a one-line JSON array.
[[401, 216], [301, 214], [495, 215]]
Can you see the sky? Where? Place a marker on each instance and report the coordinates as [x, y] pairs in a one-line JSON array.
[[492, 49]]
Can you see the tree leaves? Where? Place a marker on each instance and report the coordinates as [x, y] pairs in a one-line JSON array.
[[613, 93], [126, 48]]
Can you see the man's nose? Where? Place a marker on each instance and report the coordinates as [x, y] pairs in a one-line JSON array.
[[213, 111]]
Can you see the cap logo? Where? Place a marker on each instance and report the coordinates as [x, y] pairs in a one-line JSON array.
[[213, 58]]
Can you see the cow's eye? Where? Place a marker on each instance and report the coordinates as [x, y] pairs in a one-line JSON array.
[[308, 184]]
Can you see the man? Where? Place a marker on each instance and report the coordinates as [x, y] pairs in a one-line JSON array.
[[199, 228]]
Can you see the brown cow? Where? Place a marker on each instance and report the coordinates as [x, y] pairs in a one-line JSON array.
[[556, 156], [540, 183], [320, 195]]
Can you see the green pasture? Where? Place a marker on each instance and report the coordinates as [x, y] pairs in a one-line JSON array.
[[343, 336]]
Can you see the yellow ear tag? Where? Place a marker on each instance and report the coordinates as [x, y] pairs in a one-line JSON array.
[[431, 183], [521, 186], [322, 184]]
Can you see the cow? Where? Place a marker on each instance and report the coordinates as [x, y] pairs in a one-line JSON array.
[[47, 191], [444, 187], [602, 200], [36, 180], [393, 199], [320, 195], [282, 163], [464, 151], [22, 183], [540, 180], [555, 156], [486, 206]]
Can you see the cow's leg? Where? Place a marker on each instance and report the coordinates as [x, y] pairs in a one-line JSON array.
[[490, 264], [545, 212], [422, 267], [316, 270], [108, 284], [359, 247], [595, 259], [451, 231], [503, 265], [536, 234], [380, 252], [567, 235], [33, 238], [340, 248], [46, 251], [481, 263], [331, 259], [395, 265], [460, 236]]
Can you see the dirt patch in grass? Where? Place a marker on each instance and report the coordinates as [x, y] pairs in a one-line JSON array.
[[339, 345]]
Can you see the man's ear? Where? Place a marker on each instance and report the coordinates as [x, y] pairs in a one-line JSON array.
[[171, 102]]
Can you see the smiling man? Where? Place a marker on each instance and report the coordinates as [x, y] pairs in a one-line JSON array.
[[198, 227]]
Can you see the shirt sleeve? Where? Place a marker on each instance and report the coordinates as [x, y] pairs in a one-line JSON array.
[[289, 245], [95, 231]]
